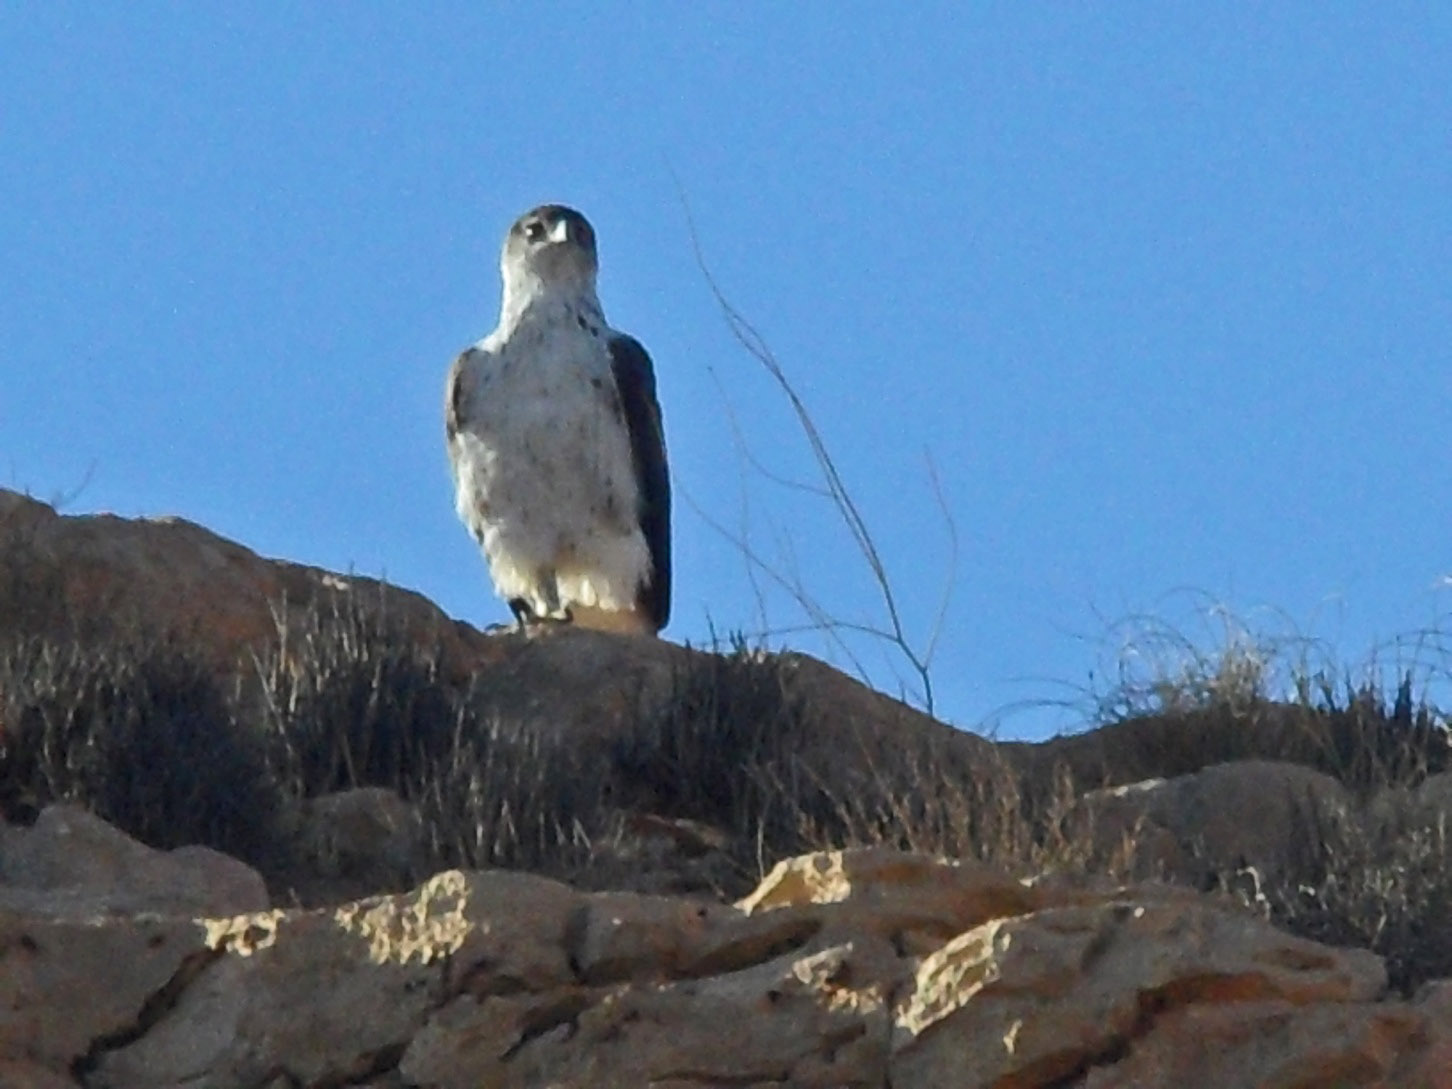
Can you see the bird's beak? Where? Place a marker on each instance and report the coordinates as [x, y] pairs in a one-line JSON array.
[[560, 232]]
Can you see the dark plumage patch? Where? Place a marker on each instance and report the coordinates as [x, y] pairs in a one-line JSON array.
[[456, 395], [635, 381], [586, 325]]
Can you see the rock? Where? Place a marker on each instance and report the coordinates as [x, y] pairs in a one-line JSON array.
[[74, 864], [1428, 1064], [799, 1020], [471, 1041], [1255, 813], [99, 576], [85, 577], [24, 1075], [333, 996], [844, 969], [1123, 838], [626, 936], [66, 985], [1040, 999], [662, 855], [364, 841], [1279, 1045], [906, 898]]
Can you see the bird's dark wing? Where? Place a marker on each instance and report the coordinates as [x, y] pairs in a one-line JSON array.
[[635, 381], [456, 396]]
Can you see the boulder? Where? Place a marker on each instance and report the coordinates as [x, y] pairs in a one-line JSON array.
[[361, 841], [101, 576], [1043, 998], [71, 863], [1248, 813]]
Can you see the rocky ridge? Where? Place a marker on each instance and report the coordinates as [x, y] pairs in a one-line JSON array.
[[855, 968], [126, 966]]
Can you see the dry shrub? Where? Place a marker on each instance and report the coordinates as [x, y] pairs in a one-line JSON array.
[[138, 733], [501, 796], [1379, 880], [350, 700], [730, 750]]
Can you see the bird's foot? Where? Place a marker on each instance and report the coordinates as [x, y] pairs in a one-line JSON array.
[[529, 623], [549, 622]]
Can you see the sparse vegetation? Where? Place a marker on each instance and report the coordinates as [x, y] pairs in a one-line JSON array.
[[1177, 704], [149, 738], [141, 734], [1382, 882], [727, 751], [347, 701]]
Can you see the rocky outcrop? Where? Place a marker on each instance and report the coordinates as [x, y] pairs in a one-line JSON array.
[[862, 968], [72, 863], [1193, 826], [125, 967], [99, 575], [92, 576]]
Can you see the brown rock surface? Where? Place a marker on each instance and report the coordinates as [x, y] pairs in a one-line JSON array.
[[99, 574], [67, 986], [1279, 1045], [1036, 999], [24, 1075], [1247, 813], [359, 842], [857, 968], [70, 863]]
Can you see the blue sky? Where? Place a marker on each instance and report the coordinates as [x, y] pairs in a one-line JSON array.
[[1163, 291]]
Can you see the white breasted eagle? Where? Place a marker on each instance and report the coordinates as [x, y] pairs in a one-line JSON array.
[[555, 439]]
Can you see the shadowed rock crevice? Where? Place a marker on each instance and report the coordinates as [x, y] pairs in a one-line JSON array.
[[157, 1006]]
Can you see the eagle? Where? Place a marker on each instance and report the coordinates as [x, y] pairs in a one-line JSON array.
[[556, 445]]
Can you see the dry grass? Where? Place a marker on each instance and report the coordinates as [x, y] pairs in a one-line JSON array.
[[143, 735], [349, 700], [1382, 882], [729, 751], [1177, 704], [140, 734]]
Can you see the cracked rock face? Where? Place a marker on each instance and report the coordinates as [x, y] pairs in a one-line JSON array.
[[860, 968]]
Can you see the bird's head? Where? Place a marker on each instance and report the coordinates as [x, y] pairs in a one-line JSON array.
[[549, 248]]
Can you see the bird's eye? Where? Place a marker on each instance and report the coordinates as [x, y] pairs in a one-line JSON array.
[[534, 230]]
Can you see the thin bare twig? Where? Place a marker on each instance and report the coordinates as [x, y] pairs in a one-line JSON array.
[[835, 490]]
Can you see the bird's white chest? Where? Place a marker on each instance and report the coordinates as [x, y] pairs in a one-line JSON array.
[[546, 452], [545, 408], [554, 373], [544, 462]]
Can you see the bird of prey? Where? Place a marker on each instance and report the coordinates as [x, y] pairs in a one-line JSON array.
[[554, 436]]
